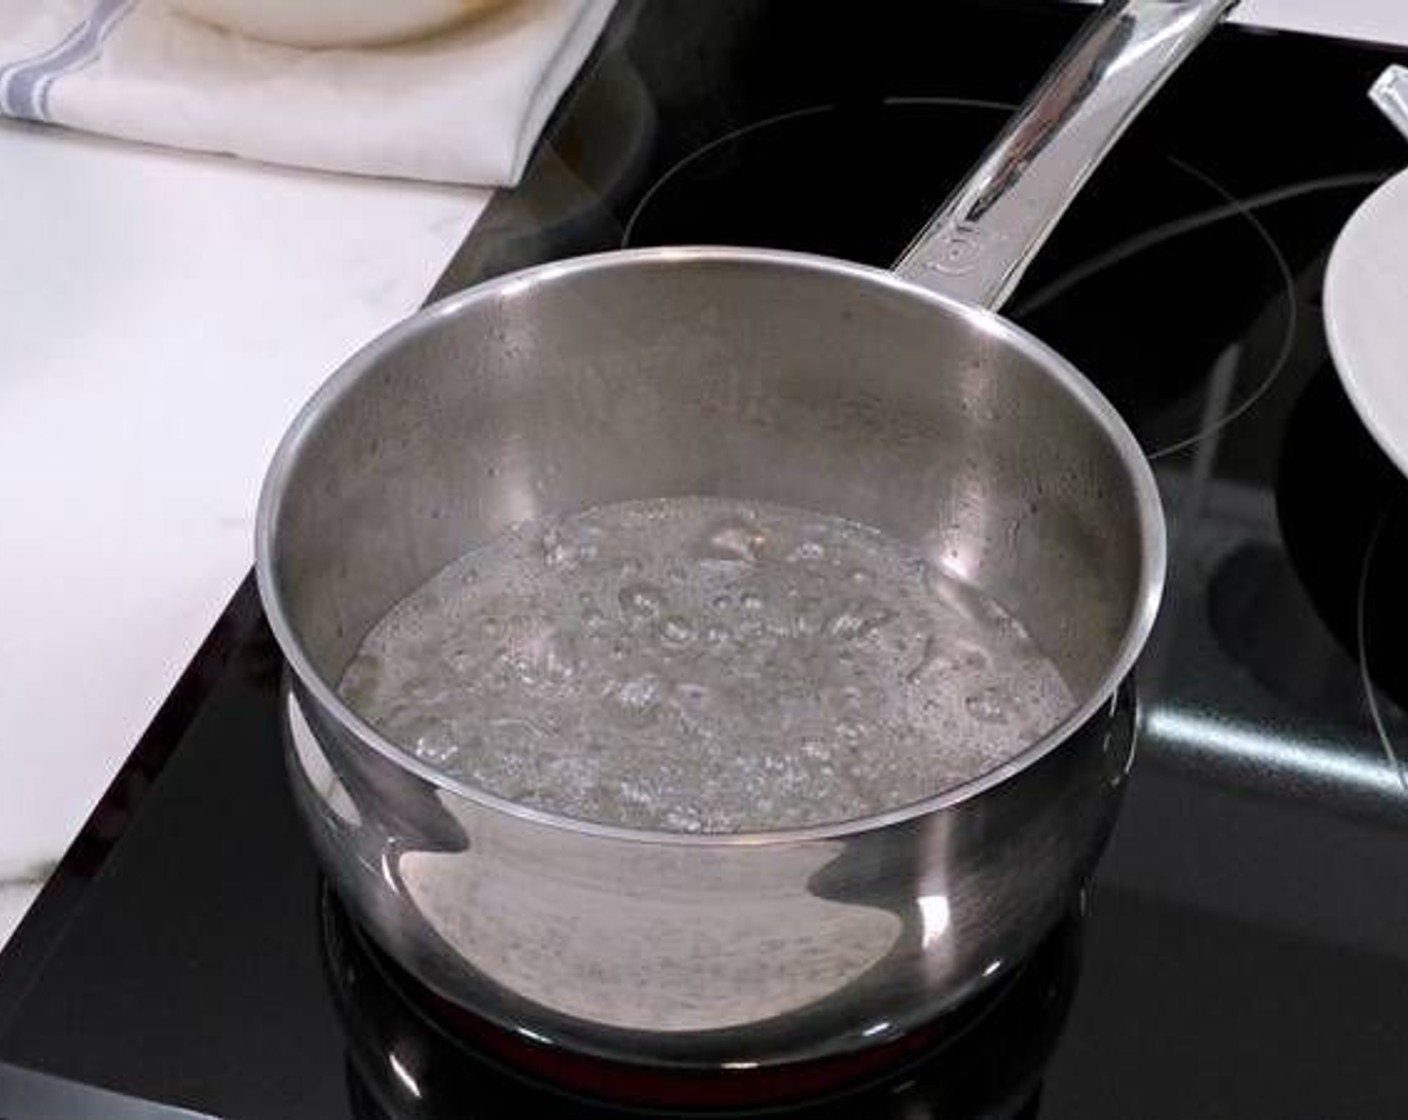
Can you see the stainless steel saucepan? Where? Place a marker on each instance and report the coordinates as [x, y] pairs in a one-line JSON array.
[[898, 399]]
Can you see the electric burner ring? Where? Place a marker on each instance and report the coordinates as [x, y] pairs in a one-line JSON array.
[[1215, 393]]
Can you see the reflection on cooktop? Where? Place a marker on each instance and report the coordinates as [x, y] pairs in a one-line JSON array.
[[1345, 519], [414, 1054], [1188, 252]]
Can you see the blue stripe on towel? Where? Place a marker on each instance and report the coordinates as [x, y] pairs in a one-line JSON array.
[[24, 86]]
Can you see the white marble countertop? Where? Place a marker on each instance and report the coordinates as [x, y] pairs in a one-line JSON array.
[[161, 318]]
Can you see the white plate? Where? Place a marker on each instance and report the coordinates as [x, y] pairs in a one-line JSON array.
[[1366, 314]]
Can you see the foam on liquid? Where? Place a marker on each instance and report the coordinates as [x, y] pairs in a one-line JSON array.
[[703, 665]]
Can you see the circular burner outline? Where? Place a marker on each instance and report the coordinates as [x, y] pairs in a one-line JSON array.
[[781, 118], [1232, 207], [1371, 692]]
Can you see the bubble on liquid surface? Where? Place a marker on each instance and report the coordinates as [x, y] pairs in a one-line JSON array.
[[433, 742], [990, 705], [676, 631], [559, 657], [702, 665], [639, 697], [557, 553], [641, 600], [858, 618], [731, 540]]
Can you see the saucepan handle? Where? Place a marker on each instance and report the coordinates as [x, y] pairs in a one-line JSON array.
[[981, 240]]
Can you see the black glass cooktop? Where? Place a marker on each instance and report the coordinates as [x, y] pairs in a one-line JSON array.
[[1243, 951]]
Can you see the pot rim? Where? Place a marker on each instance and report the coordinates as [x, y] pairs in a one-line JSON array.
[[1151, 529]]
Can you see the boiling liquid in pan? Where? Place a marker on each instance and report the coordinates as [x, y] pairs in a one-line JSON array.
[[703, 665]]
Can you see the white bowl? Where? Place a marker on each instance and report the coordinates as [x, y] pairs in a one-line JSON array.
[[332, 23], [1366, 314]]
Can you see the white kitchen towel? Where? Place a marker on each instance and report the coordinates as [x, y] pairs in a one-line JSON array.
[[464, 106]]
